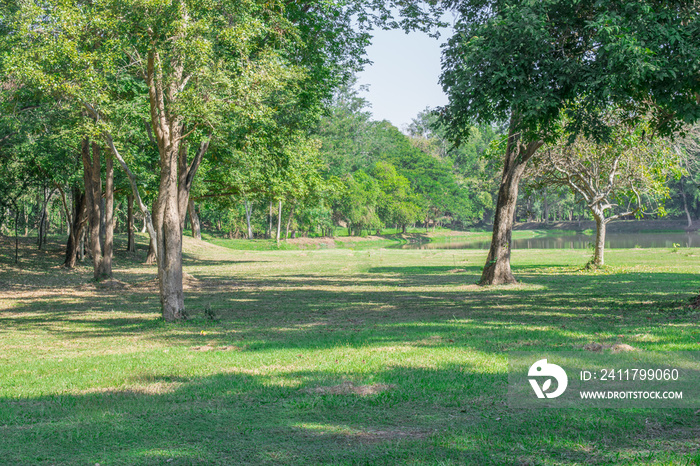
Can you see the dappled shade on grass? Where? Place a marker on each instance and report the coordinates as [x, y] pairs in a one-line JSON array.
[[331, 356]]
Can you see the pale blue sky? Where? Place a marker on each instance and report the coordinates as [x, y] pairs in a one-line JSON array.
[[404, 77]]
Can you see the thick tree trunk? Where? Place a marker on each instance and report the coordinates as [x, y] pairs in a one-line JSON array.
[[168, 226], [599, 253], [279, 222], [109, 218], [194, 220], [497, 269], [93, 196], [176, 177], [130, 243], [79, 217]]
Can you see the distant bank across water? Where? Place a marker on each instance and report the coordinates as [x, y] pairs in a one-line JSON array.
[[572, 241], [617, 226]]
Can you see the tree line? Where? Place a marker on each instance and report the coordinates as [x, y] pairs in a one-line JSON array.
[[244, 116]]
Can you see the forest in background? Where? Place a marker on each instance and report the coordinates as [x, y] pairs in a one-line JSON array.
[[355, 176]]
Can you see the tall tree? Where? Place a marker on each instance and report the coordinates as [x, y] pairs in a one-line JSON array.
[[526, 61]]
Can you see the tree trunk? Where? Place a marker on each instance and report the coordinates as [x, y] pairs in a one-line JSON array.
[[176, 177], [151, 256], [248, 208], [685, 208], [194, 220], [93, 195], [599, 254], [81, 248], [43, 218], [103, 222], [497, 269], [279, 222], [269, 228], [289, 219], [169, 236], [66, 209], [131, 241], [16, 234], [79, 218], [546, 206], [108, 249]]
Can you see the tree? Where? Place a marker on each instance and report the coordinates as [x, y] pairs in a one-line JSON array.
[[397, 205], [615, 179], [209, 71], [527, 61], [199, 65], [359, 203]]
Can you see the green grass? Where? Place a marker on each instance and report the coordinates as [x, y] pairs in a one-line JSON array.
[[330, 356]]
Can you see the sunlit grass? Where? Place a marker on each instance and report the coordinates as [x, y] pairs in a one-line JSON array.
[[334, 356]]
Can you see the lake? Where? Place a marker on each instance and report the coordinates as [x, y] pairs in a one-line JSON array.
[[576, 241]]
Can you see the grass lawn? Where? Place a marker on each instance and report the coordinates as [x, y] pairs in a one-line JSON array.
[[330, 356]]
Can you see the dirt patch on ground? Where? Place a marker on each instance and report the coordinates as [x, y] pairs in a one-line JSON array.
[[305, 243], [615, 348], [157, 388], [371, 436], [215, 348], [349, 388]]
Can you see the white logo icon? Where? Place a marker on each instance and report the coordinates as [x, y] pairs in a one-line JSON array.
[[542, 369]]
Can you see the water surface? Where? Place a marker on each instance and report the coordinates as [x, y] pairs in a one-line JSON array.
[[576, 241]]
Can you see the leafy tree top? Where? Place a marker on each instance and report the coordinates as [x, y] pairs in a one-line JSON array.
[[526, 61]]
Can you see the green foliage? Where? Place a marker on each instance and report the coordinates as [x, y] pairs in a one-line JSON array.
[[526, 61], [359, 202]]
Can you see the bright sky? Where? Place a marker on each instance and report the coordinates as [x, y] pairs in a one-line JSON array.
[[403, 78]]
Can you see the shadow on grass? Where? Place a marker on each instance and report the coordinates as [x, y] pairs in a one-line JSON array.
[[390, 305], [427, 413], [418, 416]]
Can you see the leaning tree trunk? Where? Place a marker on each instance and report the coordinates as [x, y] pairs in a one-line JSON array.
[[151, 256], [497, 269]]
